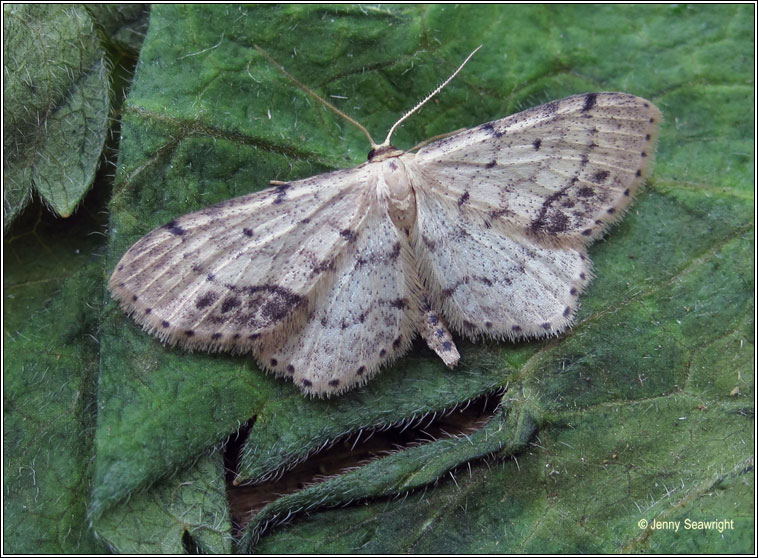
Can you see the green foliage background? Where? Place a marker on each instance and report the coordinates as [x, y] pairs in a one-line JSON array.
[[643, 411]]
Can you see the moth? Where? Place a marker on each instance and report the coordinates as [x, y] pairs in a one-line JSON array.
[[325, 280]]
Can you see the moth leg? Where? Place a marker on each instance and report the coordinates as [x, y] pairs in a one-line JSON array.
[[436, 334]]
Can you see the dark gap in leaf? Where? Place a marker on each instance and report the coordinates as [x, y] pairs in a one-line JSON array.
[[189, 544], [232, 449], [356, 450]]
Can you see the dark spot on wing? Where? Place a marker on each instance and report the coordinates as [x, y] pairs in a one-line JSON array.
[[348, 235], [395, 252], [206, 300], [281, 192], [360, 370], [399, 303], [590, 100], [491, 129], [585, 192], [601, 176], [275, 302], [247, 232], [490, 164], [537, 143], [554, 221], [229, 303], [334, 383], [173, 228], [464, 198]]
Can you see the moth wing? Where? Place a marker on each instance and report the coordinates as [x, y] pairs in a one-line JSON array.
[[489, 283], [559, 172], [363, 319], [222, 277]]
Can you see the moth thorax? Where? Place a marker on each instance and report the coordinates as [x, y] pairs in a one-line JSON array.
[[395, 184]]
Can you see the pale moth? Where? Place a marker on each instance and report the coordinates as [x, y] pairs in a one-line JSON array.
[[326, 279]]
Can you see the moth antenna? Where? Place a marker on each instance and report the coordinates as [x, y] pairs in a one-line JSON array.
[[316, 96], [432, 94]]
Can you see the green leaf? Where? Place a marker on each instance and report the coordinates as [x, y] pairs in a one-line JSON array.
[[51, 304], [56, 106], [123, 24], [187, 514]]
